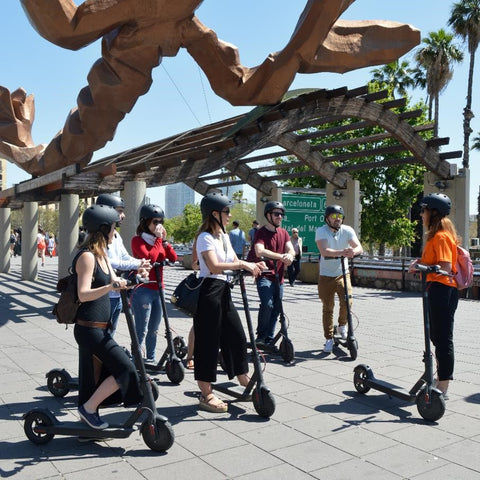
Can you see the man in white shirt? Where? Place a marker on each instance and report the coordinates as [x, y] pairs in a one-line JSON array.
[[120, 259], [336, 243]]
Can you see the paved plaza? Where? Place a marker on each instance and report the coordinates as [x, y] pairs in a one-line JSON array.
[[322, 428]]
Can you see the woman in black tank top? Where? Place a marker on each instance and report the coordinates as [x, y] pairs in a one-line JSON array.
[[96, 346]]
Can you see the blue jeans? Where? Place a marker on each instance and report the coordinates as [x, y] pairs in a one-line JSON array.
[[147, 310], [115, 310], [270, 298]]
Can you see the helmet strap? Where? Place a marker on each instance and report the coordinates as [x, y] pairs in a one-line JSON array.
[[218, 221], [268, 216]]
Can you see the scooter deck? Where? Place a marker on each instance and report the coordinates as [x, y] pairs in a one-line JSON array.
[[78, 429], [390, 389], [232, 389]]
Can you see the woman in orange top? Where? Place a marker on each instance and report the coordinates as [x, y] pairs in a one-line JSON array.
[[440, 249]]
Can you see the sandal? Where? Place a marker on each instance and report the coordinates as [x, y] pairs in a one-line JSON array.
[[211, 403], [190, 364]]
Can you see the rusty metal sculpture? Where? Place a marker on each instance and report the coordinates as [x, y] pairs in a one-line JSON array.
[[136, 34]]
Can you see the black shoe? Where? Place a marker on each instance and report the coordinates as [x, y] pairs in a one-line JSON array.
[[271, 348]]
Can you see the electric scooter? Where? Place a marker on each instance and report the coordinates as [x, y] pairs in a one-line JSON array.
[[256, 390], [41, 425], [350, 342], [60, 382], [430, 401], [169, 361], [286, 348]]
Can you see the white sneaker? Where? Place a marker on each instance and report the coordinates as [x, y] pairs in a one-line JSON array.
[[342, 331], [328, 345]]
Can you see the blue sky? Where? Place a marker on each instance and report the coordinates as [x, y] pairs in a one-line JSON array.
[[181, 98]]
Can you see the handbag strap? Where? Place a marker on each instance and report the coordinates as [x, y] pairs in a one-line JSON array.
[[197, 286]]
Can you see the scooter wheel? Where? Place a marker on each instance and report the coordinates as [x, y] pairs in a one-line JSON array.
[[180, 347], [263, 402], [175, 371], [159, 436], [34, 421], [287, 350], [433, 410], [359, 376], [58, 382], [353, 348]]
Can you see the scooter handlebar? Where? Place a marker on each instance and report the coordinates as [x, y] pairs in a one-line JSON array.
[[432, 269], [132, 281], [164, 263], [340, 256]]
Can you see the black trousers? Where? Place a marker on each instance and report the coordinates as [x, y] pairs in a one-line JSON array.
[[217, 327], [97, 342], [443, 301]]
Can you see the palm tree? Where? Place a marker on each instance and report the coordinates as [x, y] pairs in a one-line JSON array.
[[397, 75], [437, 56], [465, 20]]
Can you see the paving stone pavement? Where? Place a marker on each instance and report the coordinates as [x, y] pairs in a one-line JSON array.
[[322, 428]]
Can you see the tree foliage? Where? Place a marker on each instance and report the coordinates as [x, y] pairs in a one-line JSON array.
[[436, 56], [387, 192], [465, 20], [182, 229]]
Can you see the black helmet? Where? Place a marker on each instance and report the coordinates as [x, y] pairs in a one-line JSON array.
[[334, 209], [151, 211], [437, 201], [97, 216], [213, 202], [269, 206], [110, 199]]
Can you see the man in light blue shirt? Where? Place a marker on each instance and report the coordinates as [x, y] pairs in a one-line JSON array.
[[237, 239], [336, 243], [119, 257]]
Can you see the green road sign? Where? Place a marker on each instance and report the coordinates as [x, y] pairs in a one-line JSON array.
[[307, 213]]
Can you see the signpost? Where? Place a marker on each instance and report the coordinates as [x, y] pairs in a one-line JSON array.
[[305, 211]]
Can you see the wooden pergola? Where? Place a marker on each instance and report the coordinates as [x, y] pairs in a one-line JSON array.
[[203, 157]]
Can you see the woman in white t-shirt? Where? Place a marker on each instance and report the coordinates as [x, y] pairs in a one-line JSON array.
[[217, 324]]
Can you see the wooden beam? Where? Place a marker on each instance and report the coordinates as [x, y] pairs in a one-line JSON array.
[[47, 179]]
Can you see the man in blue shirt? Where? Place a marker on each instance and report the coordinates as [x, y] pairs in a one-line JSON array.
[[237, 239]]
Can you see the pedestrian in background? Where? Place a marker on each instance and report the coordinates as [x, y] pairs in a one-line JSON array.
[[294, 268], [237, 239], [252, 232], [41, 244]]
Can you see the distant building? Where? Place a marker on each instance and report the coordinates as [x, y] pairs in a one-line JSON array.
[[176, 197]]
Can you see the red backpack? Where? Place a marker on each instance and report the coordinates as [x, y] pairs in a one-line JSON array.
[[464, 269]]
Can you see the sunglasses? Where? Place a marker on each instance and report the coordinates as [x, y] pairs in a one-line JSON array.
[[423, 210], [157, 222], [278, 214], [336, 216], [226, 210]]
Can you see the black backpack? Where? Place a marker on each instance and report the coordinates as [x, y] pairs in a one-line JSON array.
[[65, 310]]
